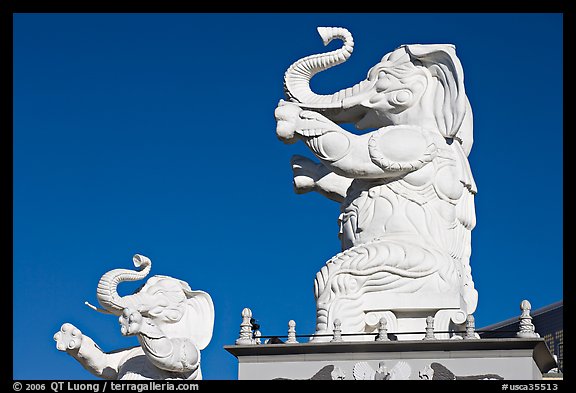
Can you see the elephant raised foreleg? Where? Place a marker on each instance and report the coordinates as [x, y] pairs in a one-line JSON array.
[[81, 347], [388, 152]]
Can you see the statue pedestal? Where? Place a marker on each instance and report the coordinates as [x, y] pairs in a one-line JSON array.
[[406, 313], [508, 358]]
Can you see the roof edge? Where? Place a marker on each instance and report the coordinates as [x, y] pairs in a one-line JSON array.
[[534, 313]]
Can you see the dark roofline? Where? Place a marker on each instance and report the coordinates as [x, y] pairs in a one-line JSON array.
[[534, 313]]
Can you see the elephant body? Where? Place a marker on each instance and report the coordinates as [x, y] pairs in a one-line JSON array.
[[172, 322], [405, 189]]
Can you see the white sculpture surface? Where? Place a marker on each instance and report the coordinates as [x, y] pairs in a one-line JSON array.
[[172, 322], [291, 332], [526, 327], [246, 333], [405, 187], [363, 371]]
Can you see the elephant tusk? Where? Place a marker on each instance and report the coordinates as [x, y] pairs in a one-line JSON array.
[[97, 308]]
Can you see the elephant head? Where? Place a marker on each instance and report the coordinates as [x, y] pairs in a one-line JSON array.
[[414, 84], [174, 307]]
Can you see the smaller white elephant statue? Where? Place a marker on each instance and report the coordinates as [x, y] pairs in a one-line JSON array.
[[172, 322]]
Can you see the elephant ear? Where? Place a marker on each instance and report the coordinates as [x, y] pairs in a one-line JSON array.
[[200, 315], [452, 110], [450, 102]]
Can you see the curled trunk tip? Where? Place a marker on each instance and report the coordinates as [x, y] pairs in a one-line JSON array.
[[140, 260], [107, 293], [297, 77]]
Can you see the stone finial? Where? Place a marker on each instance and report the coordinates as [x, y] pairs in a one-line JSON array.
[[382, 330], [257, 335], [245, 329], [337, 331], [291, 332], [470, 327], [429, 328], [526, 328]]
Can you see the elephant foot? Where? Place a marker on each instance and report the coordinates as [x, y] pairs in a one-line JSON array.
[[287, 115], [69, 338], [306, 173]]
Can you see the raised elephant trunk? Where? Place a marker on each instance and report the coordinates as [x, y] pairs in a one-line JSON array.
[[297, 77], [107, 293]]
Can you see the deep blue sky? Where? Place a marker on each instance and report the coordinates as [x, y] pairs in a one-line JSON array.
[[155, 134]]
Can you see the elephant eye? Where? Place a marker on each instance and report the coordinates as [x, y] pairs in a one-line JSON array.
[[401, 97], [173, 315], [156, 311]]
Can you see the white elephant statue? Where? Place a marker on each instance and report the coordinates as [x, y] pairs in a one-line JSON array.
[[404, 184], [172, 322]]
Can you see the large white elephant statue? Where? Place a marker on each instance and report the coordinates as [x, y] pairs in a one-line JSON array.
[[404, 184]]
